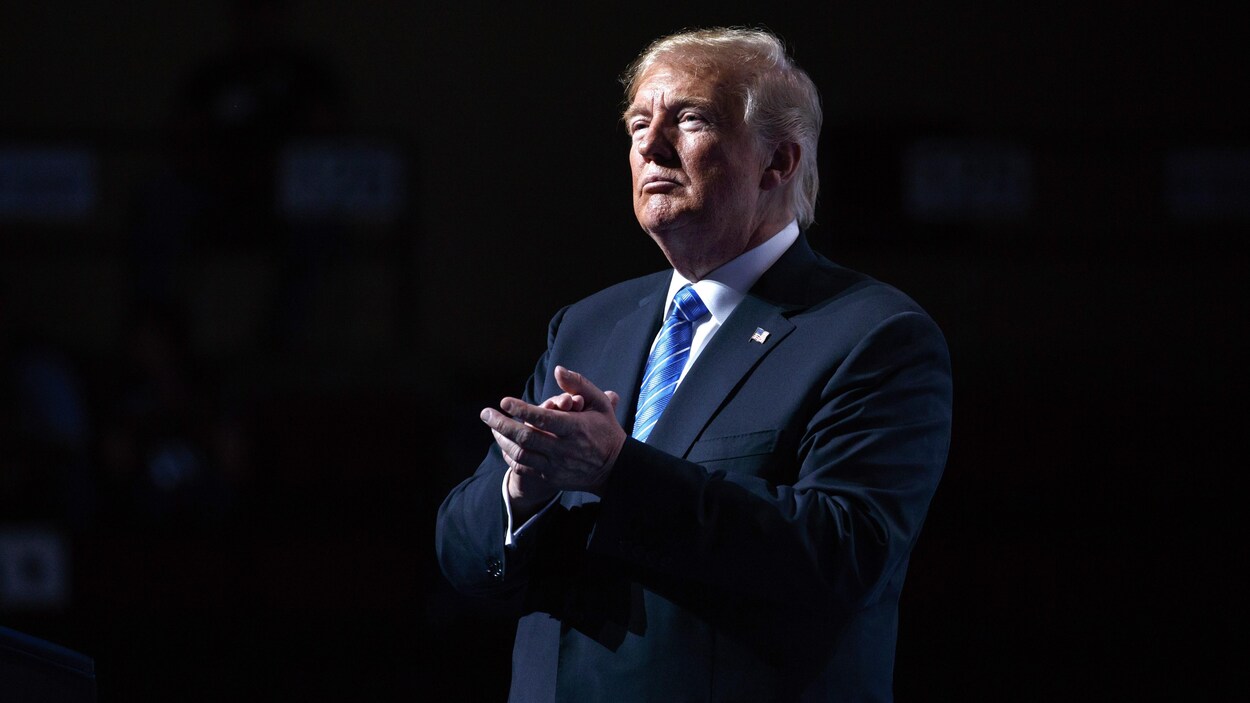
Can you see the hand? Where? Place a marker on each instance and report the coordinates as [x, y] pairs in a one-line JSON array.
[[570, 442], [526, 491], [566, 402]]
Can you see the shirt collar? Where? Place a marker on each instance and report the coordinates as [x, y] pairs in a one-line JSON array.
[[726, 286]]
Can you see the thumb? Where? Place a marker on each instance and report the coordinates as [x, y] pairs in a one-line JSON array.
[[574, 383], [614, 398]]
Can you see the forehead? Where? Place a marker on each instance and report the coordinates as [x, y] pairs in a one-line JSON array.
[[667, 84]]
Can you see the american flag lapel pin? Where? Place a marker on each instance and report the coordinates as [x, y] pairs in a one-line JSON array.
[[760, 335]]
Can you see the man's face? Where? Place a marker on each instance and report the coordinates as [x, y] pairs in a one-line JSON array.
[[696, 168]]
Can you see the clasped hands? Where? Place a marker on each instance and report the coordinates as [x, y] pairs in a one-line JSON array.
[[569, 442]]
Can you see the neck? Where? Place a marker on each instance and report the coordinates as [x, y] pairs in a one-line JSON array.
[[696, 264]]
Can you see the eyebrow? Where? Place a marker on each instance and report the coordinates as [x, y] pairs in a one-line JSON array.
[[708, 106]]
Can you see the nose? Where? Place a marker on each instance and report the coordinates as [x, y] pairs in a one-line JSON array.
[[653, 143]]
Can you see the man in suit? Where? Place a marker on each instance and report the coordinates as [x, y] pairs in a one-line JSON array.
[[745, 536]]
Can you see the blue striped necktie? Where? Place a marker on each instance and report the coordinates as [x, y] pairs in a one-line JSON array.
[[667, 360]]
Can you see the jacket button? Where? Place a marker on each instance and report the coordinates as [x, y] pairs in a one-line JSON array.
[[494, 567]]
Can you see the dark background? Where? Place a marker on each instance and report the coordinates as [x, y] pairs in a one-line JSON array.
[[235, 425]]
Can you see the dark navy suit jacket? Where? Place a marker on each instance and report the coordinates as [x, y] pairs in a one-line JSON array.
[[755, 547]]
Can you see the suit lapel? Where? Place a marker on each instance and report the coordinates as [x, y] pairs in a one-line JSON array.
[[626, 351], [620, 365], [728, 358], [732, 353]]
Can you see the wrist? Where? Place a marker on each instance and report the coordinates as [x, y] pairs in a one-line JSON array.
[[608, 464], [524, 502]]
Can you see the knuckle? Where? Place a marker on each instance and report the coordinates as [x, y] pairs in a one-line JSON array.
[[523, 435]]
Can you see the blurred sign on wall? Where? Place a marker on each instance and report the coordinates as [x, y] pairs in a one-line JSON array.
[[47, 184], [34, 568], [1208, 184], [341, 182], [953, 179]]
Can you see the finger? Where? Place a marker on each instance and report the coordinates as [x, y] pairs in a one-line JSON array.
[[549, 422], [577, 384], [564, 402], [614, 398], [517, 458], [528, 445], [507, 447]]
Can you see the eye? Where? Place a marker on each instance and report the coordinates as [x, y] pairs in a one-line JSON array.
[[691, 119], [636, 125]]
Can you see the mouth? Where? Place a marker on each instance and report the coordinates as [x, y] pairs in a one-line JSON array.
[[658, 183]]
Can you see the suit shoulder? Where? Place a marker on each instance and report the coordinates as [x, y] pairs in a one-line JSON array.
[[620, 297], [826, 285], [851, 300]]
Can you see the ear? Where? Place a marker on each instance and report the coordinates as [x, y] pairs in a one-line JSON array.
[[781, 167]]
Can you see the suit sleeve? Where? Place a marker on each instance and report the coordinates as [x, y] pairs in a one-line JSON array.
[[868, 463], [472, 521]]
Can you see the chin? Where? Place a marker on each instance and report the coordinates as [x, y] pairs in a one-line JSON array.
[[664, 222], [664, 233], [661, 213]]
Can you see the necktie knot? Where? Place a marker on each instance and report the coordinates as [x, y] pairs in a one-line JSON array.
[[688, 305]]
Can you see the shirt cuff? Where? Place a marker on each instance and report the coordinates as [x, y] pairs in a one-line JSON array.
[[511, 535]]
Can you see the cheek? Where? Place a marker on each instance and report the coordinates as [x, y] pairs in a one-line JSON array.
[[710, 163]]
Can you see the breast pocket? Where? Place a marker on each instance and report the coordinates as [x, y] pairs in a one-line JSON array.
[[751, 452]]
